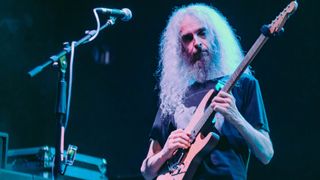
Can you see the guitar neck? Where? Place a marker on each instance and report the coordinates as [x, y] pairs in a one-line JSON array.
[[245, 62], [196, 124]]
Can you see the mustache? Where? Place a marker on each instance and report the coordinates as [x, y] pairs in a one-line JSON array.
[[199, 55]]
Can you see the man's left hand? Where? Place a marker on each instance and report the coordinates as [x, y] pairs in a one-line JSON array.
[[225, 104]]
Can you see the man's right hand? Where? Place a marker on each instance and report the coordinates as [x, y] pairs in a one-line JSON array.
[[177, 139]]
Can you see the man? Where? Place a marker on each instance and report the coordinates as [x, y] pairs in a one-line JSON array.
[[198, 51]]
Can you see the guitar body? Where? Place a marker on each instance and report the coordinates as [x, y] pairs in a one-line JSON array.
[[202, 146]]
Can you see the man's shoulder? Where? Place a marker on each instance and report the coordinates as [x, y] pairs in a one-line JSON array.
[[247, 78]]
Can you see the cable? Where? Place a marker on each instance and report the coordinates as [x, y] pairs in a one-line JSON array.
[[65, 169], [98, 24], [70, 82]]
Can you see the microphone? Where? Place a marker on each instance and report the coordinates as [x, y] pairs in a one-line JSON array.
[[124, 14]]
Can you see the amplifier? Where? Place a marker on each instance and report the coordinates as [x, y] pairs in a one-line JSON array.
[[39, 161], [4, 138], [13, 175]]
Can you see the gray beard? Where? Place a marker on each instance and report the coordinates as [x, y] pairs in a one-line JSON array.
[[200, 71]]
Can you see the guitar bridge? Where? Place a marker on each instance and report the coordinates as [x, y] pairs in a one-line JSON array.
[[174, 164]]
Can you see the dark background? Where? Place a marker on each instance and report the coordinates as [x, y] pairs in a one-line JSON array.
[[113, 105]]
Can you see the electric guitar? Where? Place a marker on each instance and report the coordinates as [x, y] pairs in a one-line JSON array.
[[184, 163]]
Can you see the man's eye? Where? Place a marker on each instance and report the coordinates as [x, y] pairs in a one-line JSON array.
[[202, 33], [187, 38]]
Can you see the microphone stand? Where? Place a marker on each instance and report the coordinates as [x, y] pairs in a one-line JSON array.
[[60, 62], [60, 116]]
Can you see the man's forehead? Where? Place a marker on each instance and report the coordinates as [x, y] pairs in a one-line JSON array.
[[190, 24]]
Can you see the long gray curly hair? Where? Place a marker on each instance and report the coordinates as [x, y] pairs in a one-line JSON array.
[[174, 75]]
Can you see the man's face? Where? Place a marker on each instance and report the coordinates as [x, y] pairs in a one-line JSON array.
[[195, 46]]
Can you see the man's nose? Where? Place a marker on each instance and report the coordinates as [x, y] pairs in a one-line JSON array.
[[197, 43], [198, 46]]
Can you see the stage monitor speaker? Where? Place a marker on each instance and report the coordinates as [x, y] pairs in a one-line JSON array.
[[13, 175], [38, 161], [4, 138]]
